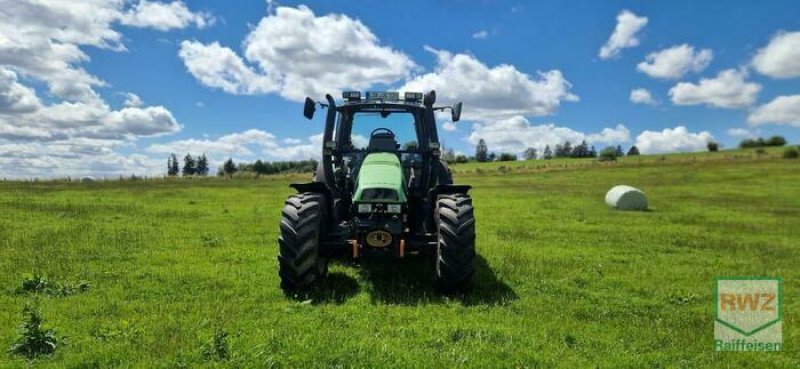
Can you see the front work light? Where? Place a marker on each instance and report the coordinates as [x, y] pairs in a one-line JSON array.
[[394, 208], [383, 95], [351, 95], [413, 96]]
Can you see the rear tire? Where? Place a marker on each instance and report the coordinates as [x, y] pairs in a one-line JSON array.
[[455, 253], [301, 227]]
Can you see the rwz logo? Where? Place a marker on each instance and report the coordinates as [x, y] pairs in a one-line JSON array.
[[747, 301], [748, 314]]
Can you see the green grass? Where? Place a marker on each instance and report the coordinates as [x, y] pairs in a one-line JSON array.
[[180, 268]]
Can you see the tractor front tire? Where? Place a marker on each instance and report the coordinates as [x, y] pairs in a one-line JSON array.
[[455, 253], [301, 228]]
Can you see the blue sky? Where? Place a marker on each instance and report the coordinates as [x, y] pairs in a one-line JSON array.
[[227, 78]]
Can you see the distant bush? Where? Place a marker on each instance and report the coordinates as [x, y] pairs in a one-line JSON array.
[[712, 146], [34, 339], [776, 141], [506, 157], [461, 159], [761, 151], [608, 154], [761, 142], [791, 153]]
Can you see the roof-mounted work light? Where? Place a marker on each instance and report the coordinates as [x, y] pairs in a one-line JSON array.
[[383, 95], [413, 96], [351, 95]]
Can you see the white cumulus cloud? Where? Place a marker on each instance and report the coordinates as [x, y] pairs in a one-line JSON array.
[[675, 62], [516, 134], [220, 67], [25, 117], [296, 53], [781, 57], [247, 145], [132, 100], [642, 96], [74, 131], [781, 110], [677, 139], [44, 40], [480, 35], [624, 36], [164, 16], [14, 97], [727, 90], [740, 133], [489, 93]]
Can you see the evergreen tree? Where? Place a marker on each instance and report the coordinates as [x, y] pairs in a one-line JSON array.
[[229, 167], [202, 165], [547, 154], [492, 157], [173, 169], [581, 151], [530, 154], [259, 167], [619, 151], [633, 151], [567, 150], [269, 168], [482, 151], [593, 152], [170, 165], [559, 151], [189, 165]]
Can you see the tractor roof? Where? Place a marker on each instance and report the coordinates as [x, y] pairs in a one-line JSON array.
[[381, 101]]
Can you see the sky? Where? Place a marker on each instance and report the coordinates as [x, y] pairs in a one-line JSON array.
[[112, 87]]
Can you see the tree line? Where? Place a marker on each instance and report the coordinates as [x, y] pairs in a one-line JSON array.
[[562, 150], [260, 167], [200, 167], [774, 141]]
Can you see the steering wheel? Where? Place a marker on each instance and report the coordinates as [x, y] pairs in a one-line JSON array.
[[379, 130]]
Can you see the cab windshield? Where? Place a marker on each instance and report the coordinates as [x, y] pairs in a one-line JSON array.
[[401, 123]]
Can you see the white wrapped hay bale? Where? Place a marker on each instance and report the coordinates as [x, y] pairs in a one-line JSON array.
[[626, 198]]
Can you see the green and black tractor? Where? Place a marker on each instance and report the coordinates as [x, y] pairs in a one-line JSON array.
[[372, 198]]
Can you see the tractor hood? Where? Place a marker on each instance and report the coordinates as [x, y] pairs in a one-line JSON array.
[[380, 179]]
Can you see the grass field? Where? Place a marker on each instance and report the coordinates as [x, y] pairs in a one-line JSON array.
[[563, 281]]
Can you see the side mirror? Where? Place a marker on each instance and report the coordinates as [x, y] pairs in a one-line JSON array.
[[456, 112], [309, 108]]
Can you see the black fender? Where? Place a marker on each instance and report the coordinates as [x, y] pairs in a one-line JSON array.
[[316, 187], [442, 189]]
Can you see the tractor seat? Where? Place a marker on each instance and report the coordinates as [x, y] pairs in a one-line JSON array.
[[382, 139]]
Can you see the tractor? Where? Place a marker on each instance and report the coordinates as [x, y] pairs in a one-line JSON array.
[[370, 197]]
